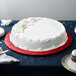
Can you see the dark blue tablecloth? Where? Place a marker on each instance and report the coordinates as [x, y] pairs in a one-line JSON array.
[[49, 63]]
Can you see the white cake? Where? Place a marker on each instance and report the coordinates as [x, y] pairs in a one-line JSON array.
[[38, 34]]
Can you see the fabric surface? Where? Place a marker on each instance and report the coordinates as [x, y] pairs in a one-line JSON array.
[[49, 60], [38, 65]]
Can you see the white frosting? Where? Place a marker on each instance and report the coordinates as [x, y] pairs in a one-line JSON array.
[[6, 22], [38, 34], [74, 52], [2, 32]]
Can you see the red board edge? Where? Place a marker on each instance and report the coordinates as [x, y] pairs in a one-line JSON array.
[[11, 46]]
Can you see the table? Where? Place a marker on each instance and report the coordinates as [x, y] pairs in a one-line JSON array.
[[38, 65]]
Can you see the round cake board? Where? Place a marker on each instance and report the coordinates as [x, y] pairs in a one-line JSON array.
[[11, 46]]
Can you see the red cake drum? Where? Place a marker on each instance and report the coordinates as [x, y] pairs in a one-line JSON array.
[[38, 36], [16, 49]]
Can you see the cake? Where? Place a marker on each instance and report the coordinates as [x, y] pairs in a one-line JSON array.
[[38, 34], [73, 55]]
